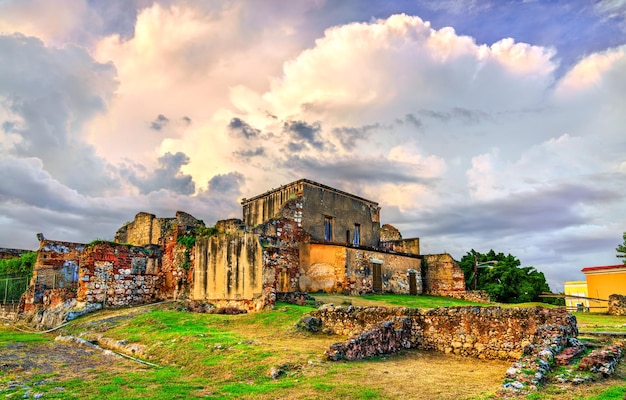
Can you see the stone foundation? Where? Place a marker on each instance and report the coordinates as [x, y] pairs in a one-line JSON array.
[[477, 296], [481, 332], [299, 298]]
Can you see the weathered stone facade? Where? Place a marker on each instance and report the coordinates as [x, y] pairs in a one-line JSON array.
[[71, 277], [290, 240], [481, 332], [617, 304], [56, 266], [442, 275], [147, 229], [327, 214], [119, 275], [230, 268], [348, 270]]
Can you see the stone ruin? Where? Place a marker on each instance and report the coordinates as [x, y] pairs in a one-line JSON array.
[[534, 338], [617, 304]]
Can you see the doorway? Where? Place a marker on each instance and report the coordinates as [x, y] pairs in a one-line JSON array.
[[377, 278], [412, 283]]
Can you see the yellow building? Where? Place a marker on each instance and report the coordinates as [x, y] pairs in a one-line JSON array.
[[604, 281], [578, 289]]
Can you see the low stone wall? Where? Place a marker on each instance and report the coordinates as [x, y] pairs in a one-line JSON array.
[[299, 298], [9, 311], [477, 296], [617, 304], [481, 332], [386, 338]]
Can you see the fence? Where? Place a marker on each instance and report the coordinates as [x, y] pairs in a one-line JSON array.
[[12, 288]]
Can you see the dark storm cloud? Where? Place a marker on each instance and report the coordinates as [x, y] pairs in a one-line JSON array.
[[240, 127], [54, 91], [304, 134], [159, 122], [533, 211], [247, 154], [226, 183], [355, 169], [168, 176], [349, 136]]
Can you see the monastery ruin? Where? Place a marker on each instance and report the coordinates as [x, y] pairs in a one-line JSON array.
[[300, 237]]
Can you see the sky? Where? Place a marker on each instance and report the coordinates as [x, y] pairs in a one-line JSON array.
[[475, 124]]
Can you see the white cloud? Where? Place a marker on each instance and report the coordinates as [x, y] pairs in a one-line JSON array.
[[464, 144]]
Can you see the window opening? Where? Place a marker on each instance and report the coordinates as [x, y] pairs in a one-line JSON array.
[[328, 229], [357, 235]]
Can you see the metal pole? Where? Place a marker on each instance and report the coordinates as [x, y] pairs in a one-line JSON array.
[[475, 270], [6, 289]]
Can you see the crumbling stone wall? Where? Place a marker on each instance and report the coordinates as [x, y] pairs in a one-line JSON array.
[[6, 253], [147, 229], [350, 270], [56, 267], [119, 275], [476, 296], [617, 304], [481, 332], [389, 233], [409, 246], [229, 268], [442, 275]]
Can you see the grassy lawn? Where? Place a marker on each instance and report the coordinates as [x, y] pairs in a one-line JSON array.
[[231, 356], [595, 322], [392, 300]]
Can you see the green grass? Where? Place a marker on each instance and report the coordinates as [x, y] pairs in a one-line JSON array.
[[230, 356], [8, 336], [392, 300], [401, 300], [596, 322], [613, 393]]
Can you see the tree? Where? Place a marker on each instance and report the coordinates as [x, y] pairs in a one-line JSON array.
[[621, 249], [22, 265], [502, 277]]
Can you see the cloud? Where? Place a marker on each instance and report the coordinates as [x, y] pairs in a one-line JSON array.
[[168, 176], [240, 127], [470, 132], [247, 154], [226, 183], [303, 134], [159, 122], [350, 136], [370, 170], [49, 94]]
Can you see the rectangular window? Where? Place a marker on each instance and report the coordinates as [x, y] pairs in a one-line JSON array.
[[357, 235], [328, 229]]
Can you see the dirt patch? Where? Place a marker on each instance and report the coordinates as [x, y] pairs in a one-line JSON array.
[[25, 366]]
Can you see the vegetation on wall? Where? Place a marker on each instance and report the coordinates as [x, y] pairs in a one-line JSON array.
[[502, 277], [189, 240], [19, 266]]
